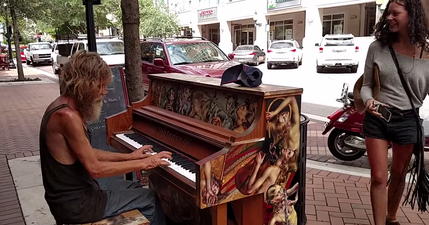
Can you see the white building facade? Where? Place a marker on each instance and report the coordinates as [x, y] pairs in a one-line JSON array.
[[230, 23]]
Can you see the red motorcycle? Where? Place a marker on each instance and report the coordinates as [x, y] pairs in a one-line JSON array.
[[345, 141]]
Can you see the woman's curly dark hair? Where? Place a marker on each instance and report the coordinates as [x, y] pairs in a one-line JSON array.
[[417, 24]]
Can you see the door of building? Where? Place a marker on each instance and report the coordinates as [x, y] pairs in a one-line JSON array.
[[214, 36], [370, 20], [245, 36]]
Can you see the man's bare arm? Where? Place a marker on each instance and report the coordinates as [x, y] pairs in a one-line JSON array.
[[106, 156], [73, 132]]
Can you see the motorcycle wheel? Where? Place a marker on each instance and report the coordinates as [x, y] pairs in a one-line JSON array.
[[339, 149]]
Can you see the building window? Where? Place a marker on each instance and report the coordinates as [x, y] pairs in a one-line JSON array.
[[206, 3], [333, 24], [281, 30], [180, 5]]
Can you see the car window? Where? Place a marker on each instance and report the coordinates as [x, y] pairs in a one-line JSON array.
[[296, 44], [340, 41], [244, 48], [150, 51], [40, 47], [199, 52], [81, 46], [110, 48], [280, 45], [74, 49]]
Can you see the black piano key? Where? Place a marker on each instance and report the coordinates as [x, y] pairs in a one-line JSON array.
[[176, 158]]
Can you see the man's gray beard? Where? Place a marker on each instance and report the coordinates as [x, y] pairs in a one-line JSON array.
[[91, 110]]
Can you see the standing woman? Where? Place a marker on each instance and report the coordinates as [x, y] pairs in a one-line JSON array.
[[404, 26]]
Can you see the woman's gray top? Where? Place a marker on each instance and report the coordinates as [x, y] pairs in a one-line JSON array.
[[415, 71]]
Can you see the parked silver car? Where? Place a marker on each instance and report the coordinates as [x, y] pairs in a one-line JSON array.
[[248, 54]]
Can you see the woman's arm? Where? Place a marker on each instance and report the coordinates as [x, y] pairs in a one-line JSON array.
[[368, 75], [253, 183]]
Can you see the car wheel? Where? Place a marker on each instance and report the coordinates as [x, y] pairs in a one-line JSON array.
[[354, 69], [269, 66], [320, 69], [295, 65], [27, 62]]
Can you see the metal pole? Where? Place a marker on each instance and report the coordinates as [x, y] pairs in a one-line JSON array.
[[92, 46], [8, 36]]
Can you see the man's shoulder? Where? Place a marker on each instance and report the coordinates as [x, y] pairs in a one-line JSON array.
[[65, 116]]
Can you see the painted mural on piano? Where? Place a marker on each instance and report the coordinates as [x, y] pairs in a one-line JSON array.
[[224, 109], [268, 167]]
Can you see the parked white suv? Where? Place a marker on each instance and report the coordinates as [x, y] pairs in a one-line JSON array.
[[110, 50], [286, 52], [338, 50], [38, 52]]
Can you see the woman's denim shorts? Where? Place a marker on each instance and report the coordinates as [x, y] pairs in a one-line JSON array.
[[401, 129]]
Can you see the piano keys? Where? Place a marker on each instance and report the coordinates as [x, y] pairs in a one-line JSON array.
[[230, 144]]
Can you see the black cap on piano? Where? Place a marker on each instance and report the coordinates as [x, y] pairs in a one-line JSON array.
[[244, 75]]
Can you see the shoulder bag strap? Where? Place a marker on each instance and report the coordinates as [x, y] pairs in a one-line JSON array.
[[401, 76], [418, 188]]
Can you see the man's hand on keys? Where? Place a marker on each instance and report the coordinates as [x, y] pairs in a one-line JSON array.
[[158, 159]]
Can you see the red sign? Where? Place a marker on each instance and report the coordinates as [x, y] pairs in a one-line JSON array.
[[206, 13]]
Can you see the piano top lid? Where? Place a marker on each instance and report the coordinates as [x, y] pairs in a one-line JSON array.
[[210, 82]]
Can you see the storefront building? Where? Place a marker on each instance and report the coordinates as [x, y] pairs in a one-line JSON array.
[[230, 23]]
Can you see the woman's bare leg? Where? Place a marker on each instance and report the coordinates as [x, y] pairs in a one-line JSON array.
[[377, 155], [401, 158]]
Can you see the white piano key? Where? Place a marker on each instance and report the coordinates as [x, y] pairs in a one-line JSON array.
[[186, 173]]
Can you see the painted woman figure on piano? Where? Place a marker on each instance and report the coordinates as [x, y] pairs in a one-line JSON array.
[[274, 174], [284, 211], [282, 123]]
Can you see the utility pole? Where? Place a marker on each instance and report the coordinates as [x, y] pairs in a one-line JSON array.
[[89, 12], [8, 36]]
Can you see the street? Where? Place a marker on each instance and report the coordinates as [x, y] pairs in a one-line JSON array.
[[320, 89]]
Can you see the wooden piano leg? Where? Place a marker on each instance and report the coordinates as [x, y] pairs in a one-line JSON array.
[[249, 211], [219, 214]]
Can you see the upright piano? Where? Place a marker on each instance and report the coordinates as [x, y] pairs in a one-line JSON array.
[[215, 134]]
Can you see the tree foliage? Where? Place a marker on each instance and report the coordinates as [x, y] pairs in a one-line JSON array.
[[156, 20], [68, 17]]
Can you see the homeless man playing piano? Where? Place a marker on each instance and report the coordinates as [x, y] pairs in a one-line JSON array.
[[69, 163]]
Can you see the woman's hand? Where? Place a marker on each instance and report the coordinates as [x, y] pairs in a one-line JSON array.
[[372, 107], [269, 115], [260, 158]]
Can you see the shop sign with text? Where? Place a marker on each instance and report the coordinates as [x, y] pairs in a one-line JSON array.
[[207, 14], [278, 4]]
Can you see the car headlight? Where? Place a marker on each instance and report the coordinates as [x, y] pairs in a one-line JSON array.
[[35, 56]]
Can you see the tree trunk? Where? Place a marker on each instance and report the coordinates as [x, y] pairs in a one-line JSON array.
[[133, 71], [16, 40]]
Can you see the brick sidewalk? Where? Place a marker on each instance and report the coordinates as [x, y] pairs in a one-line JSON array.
[[337, 199], [22, 107], [332, 198]]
